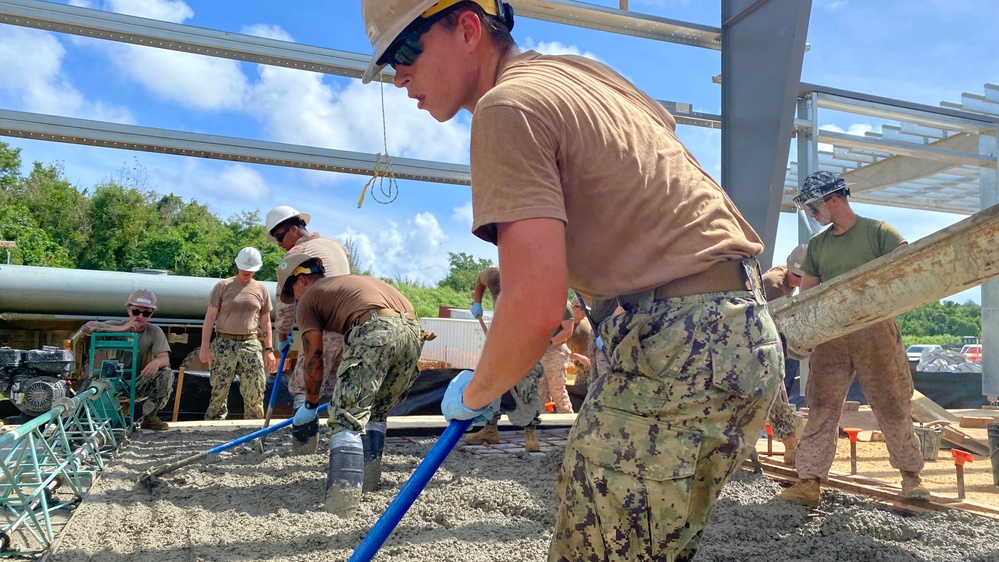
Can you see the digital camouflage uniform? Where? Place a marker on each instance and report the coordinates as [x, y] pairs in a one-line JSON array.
[[229, 358], [527, 404], [693, 378], [553, 378], [376, 373], [155, 390]]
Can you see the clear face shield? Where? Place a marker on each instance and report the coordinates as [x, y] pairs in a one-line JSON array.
[[813, 214]]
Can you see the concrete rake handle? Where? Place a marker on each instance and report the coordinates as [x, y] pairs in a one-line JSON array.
[[225, 446], [409, 492], [277, 384]]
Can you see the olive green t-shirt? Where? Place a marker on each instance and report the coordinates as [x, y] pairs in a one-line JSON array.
[[331, 302], [830, 255], [565, 137], [239, 305], [152, 342]]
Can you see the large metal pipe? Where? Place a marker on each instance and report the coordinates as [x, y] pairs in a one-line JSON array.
[[51, 290]]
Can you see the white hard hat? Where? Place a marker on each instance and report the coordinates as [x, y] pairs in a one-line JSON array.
[[278, 215], [384, 20], [248, 259]]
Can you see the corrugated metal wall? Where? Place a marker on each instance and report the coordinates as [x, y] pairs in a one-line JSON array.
[[458, 343]]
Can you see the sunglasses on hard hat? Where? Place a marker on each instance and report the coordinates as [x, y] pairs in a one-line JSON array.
[[144, 313]]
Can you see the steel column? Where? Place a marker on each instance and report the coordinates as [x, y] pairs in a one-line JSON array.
[[989, 181]]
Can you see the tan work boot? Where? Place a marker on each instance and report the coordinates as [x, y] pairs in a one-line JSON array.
[[806, 492], [150, 421], [912, 487], [488, 434], [531, 443]]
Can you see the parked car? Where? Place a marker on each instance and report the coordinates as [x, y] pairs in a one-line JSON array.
[[915, 352], [973, 352]]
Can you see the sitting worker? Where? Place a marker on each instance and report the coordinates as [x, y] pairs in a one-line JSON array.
[[781, 281], [382, 344], [156, 378], [238, 309], [526, 399], [287, 228]]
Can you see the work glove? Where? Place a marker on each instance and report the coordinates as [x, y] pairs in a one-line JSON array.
[[305, 415], [454, 408], [477, 310], [284, 346]]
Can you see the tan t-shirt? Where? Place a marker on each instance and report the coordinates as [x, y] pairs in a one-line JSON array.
[[775, 283], [335, 260], [568, 138], [152, 342], [331, 302], [580, 340], [240, 306]]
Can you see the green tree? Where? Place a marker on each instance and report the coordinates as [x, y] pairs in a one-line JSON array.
[[464, 269], [10, 169]]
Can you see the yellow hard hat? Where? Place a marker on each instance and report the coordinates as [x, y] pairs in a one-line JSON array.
[[384, 20]]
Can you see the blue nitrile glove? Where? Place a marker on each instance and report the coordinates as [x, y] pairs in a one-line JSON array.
[[600, 343], [284, 346], [454, 409], [305, 415], [476, 310]]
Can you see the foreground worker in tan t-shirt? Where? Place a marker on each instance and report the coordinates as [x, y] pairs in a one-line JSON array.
[[382, 344], [580, 180]]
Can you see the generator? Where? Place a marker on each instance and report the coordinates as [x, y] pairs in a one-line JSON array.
[[35, 379]]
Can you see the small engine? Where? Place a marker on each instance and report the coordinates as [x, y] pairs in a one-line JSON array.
[[34, 379]]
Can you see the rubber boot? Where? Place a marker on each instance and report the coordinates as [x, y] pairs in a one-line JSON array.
[[488, 434], [373, 442], [912, 487], [305, 438], [531, 443], [150, 421], [345, 475], [806, 492]]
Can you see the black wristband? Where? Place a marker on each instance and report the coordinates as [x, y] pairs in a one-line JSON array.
[[268, 349], [311, 405]]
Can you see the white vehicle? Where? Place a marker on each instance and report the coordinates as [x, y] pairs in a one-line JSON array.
[[915, 352]]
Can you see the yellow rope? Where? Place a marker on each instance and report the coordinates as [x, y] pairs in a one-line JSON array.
[[387, 191]]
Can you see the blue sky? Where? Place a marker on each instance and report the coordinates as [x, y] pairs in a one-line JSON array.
[[923, 51]]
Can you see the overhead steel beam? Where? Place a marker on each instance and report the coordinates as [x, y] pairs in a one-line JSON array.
[[147, 139], [87, 22], [906, 149], [601, 18], [761, 70]]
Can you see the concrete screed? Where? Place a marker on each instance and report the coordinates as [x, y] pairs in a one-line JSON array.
[[242, 505]]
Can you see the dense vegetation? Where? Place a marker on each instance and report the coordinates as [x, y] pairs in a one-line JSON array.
[[121, 224]]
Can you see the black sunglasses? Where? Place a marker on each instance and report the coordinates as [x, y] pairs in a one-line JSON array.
[[280, 236], [144, 313], [407, 45]]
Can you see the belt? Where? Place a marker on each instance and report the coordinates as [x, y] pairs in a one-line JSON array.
[[236, 337], [719, 278], [365, 315]]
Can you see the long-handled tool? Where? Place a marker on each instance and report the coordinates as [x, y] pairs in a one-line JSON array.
[[149, 478], [274, 389], [409, 492]]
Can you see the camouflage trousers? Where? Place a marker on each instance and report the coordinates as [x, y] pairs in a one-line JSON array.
[[551, 387], [332, 353], [156, 390], [782, 420], [876, 354], [527, 405], [691, 382], [231, 358], [377, 370]]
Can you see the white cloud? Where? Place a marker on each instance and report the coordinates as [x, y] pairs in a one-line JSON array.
[[556, 48], [267, 31], [33, 75], [175, 11], [242, 181], [298, 107], [413, 252], [857, 129], [463, 214]]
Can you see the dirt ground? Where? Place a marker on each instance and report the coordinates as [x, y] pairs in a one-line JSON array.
[[242, 506]]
